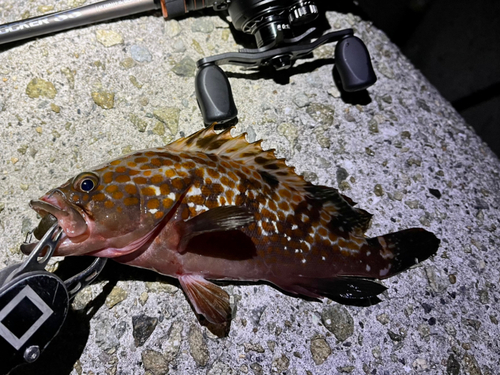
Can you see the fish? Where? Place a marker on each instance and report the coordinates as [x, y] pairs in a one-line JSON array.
[[214, 207]]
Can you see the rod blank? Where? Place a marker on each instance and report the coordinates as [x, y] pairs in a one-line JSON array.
[[72, 18]]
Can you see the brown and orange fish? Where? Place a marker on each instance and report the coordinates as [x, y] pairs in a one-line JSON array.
[[213, 207]]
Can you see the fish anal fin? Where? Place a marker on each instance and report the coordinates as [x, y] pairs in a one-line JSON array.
[[218, 219], [207, 299], [347, 290]]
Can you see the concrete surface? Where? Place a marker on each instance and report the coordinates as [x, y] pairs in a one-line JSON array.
[[400, 151]]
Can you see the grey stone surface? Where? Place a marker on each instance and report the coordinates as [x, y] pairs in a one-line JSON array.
[[440, 317]]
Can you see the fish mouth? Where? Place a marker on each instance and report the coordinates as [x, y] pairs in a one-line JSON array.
[[54, 208]]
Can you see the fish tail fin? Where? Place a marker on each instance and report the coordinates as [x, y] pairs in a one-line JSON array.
[[384, 256], [396, 252]]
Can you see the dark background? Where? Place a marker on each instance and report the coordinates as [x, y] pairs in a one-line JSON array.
[[456, 45]]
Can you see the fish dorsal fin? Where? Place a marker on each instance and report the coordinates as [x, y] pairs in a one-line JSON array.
[[272, 170]]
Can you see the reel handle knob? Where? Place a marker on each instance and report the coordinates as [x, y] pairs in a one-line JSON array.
[[214, 95], [352, 61]]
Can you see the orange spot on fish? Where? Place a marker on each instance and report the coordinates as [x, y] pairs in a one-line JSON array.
[[111, 188], [196, 199], [272, 205], [130, 189], [285, 193], [167, 162], [164, 189], [283, 206], [156, 162], [153, 204], [140, 180], [322, 232], [98, 197], [185, 214], [146, 173], [189, 164], [211, 204], [156, 179], [121, 169], [122, 178], [230, 196], [130, 201], [133, 172], [267, 226], [213, 173], [342, 243], [150, 153], [158, 215], [109, 204], [119, 209], [167, 203], [107, 177], [118, 195], [131, 164], [170, 173], [217, 189], [141, 160], [178, 183], [75, 198], [239, 200], [148, 191], [115, 162]]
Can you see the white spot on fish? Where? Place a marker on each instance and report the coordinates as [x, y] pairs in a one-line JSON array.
[[294, 227], [153, 211], [304, 260], [172, 196], [368, 253], [368, 268], [194, 191], [323, 258], [156, 189], [296, 251], [385, 271]]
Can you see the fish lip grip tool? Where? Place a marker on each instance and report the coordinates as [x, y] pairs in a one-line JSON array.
[[34, 303]]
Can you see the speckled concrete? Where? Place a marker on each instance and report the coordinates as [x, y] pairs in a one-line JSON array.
[[402, 153]]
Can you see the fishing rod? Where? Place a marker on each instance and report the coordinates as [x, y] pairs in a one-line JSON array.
[[99, 12]]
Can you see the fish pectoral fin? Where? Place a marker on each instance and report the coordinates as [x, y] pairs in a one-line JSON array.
[[208, 299], [218, 219], [345, 289]]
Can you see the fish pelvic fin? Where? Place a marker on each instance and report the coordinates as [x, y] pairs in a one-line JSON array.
[[207, 299], [401, 250]]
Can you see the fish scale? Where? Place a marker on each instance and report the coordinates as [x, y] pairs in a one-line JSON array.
[[213, 206]]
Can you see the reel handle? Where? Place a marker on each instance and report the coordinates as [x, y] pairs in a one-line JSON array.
[[352, 61], [214, 95]]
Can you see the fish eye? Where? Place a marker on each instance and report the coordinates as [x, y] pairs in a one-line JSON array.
[[87, 185], [86, 182]]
